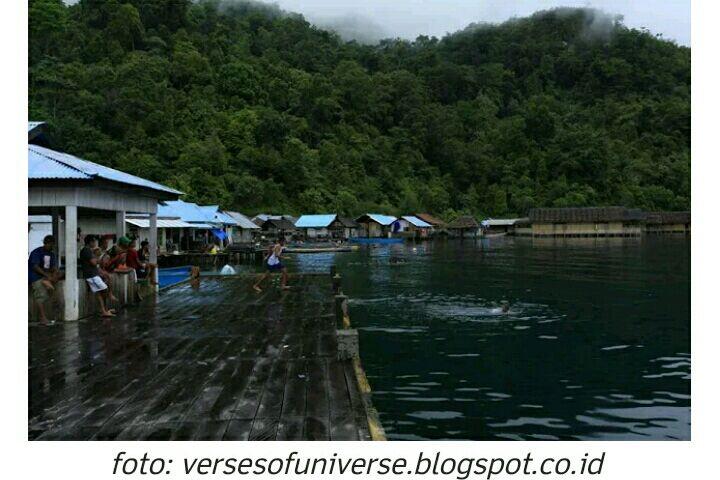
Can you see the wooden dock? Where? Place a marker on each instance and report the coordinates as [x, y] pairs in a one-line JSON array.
[[214, 362]]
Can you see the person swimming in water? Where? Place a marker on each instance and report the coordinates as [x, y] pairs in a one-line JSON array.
[[274, 264]]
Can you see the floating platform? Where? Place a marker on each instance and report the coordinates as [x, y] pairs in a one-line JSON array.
[[210, 362], [320, 249], [377, 241]]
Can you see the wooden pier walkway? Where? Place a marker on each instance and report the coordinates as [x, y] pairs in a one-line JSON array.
[[217, 362]]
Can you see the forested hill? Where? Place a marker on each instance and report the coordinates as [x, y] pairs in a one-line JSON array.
[[246, 106]]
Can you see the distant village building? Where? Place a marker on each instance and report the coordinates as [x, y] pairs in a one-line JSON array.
[[203, 224], [501, 225], [278, 227], [413, 227], [326, 226], [343, 228], [315, 226], [375, 225], [464, 227], [261, 218], [139, 227], [436, 223], [243, 230], [667, 222], [585, 222]]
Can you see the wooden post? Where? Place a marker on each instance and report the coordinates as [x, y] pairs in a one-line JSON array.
[[72, 309], [337, 284], [340, 310], [333, 270], [119, 225], [153, 246]]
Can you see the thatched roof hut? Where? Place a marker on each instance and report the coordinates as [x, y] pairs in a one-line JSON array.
[[585, 215]]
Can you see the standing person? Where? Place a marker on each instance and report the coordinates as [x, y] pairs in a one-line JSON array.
[[91, 274], [42, 275], [103, 259], [273, 262]]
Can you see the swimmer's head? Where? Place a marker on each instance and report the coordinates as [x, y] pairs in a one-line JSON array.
[[505, 307]]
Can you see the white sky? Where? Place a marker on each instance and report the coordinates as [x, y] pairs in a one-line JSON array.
[[410, 18]]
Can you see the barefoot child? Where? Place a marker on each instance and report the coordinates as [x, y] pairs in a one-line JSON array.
[[274, 264], [91, 274]]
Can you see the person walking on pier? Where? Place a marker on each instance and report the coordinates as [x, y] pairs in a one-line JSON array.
[[273, 262], [91, 274]]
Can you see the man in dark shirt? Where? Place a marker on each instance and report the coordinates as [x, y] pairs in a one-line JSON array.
[[91, 274], [42, 275]]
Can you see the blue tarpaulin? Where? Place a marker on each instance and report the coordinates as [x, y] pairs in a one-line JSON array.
[[219, 233]]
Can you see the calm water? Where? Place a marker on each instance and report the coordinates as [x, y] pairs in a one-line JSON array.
[[596, 344]]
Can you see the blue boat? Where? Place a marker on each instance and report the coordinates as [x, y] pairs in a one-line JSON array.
[[380, 241]]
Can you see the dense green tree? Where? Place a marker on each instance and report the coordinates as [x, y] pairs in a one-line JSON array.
[[246, 106]]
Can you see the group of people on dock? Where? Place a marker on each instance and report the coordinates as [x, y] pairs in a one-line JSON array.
[[97, 262]]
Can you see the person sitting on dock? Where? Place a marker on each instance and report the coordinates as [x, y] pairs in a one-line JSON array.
[[91, 274], [142, 269], [42, 275], [274, 264], [114, 258]]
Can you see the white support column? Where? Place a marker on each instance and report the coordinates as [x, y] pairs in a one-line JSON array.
[[72, 300], [119, 224], [56, 233], [153, 243]]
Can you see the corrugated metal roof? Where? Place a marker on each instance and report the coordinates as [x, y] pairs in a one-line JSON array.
[[225, 219], [242, 221], [44, 163], [42, 167], [161, 223], [416, 221], [185, 211], [315, 221], [379, 218], [33, 125], [500, 222]]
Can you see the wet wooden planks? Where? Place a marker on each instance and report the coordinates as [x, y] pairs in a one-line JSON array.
[[218, 362]]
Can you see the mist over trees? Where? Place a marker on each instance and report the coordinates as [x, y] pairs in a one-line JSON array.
[[242, 105]]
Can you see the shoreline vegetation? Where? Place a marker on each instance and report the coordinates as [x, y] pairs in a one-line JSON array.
[[244, 106]]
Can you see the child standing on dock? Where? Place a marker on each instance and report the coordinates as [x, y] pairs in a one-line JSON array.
[[274, 264], [91, 274]]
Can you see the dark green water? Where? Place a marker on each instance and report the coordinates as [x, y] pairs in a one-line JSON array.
[[596, 344]]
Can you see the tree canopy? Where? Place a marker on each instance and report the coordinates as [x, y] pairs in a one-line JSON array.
[[246, 106]]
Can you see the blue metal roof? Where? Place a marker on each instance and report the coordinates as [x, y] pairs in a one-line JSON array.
[[225, 219], [186, 211], [315, 221], [44, 163], [416, 221], [42, 167], [381, 219], [217, 216]]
